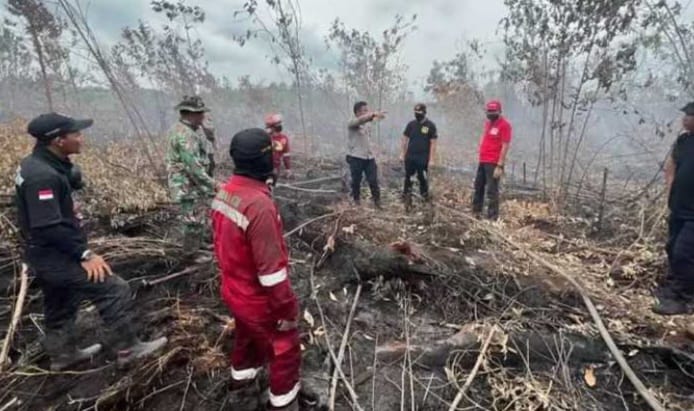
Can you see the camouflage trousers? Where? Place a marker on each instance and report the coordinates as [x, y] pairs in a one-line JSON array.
[[194, 224]]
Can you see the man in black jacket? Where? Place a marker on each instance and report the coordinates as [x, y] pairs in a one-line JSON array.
[[57, 253], [676, 294]]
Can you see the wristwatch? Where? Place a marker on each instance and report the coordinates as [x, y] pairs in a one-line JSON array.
[[87, 255]]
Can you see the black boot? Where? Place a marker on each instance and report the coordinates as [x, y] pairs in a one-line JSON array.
[[129, 348], [308, 399], [244, 393], [671, 306], [193, 249], [407, 200], [62, 349], [138, 350]]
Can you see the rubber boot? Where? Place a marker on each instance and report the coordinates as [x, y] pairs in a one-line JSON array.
[[138, 350], [244, 394], [67, 360], [670, 306], [62, 349], [292, 406], [123, 340], [306, 400], [407, 200]]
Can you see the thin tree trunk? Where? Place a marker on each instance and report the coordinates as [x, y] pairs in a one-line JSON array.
[[545, 112], [564, 190], [75, 89], [578, 146], [133, 114], [44, 73], [380, 108], [552, 133], [307, 145], [560, 120]]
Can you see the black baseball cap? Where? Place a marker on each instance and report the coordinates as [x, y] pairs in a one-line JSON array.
[[51, 125], [420, 108], [688, 109]]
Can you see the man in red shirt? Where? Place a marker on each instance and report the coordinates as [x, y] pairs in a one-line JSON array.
[[280, 145], [494, 146], [254, 264]]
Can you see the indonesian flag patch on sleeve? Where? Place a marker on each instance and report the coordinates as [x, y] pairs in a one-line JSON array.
[[46, 194]]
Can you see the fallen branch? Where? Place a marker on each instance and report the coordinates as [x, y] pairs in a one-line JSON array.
[[345, 381], [343, 345], [306, 190], [18, 307], [473, 373], [311, 221], [318, 180], [330, 245], [187, 271], [628, 371], [7, 406]]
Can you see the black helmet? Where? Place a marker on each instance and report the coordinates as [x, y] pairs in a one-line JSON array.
[[251, 151]]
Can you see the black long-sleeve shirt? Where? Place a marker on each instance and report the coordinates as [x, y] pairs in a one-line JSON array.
[[44, 201]]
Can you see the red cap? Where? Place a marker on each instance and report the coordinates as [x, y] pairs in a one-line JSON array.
[[494, 106], [273, 120]]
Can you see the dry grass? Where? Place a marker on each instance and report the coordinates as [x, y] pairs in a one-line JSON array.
[[118, 179]]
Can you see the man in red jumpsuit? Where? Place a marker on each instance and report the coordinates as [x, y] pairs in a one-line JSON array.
[[280, 145], [254, 265]]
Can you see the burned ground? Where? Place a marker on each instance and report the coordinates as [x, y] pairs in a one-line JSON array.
[[439, 295]]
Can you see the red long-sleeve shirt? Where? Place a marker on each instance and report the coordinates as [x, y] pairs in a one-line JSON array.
[[251, 252]]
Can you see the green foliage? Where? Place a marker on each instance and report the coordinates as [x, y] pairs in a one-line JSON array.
[[543, 36], [370, 66], [169, 59]]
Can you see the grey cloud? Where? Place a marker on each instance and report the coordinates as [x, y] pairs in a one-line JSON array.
[[442, 25]]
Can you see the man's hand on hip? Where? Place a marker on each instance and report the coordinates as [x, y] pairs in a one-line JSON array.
[[97, 269]]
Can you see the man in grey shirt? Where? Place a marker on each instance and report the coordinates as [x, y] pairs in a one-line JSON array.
[[359, 155]]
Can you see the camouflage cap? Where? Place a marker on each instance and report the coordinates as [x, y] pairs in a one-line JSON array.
[[194, 104]]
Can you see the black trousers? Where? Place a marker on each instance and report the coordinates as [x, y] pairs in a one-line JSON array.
[[486, 183], [419, 166], [65, 285], [679, 282], [359, 167]]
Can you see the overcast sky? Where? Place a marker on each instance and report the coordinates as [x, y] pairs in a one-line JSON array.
[[443, 26]]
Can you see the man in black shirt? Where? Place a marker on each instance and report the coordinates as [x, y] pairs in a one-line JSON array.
[[57, 253], [676, 294], [418, 151]]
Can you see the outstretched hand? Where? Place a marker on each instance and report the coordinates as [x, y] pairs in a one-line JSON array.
[[379, 115]]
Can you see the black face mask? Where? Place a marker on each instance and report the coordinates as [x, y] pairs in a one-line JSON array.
[[419, 116], [492, 117], [75, 178]]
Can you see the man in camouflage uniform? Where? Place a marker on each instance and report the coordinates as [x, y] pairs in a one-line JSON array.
[[189, 163]]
